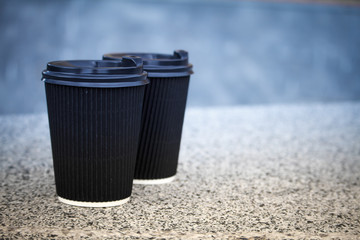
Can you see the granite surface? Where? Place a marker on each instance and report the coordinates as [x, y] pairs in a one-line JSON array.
[[261, 172]]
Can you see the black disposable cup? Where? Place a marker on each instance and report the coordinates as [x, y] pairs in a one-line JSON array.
[[163, 115], [94, 110]]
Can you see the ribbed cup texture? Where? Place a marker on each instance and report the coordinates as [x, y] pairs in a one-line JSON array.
[[162, 121], [94, 135]]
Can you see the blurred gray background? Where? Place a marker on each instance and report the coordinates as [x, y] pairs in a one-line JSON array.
[[243, 52]]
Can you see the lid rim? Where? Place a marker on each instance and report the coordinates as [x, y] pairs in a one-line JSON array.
[[97, 84], [92, 77], [168, 75]]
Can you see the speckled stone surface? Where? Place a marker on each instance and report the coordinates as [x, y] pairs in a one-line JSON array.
[[262, 172]]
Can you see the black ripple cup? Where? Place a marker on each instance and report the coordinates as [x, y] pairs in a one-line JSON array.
[[163, 115], [94, 110]]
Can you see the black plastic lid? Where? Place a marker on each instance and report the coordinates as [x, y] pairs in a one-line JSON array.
[[160, 65], [125, 72]]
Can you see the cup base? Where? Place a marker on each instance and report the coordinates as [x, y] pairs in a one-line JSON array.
[[153, 181], [93, 204]]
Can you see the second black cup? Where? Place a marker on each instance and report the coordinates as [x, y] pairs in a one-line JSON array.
[[162, 116]]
